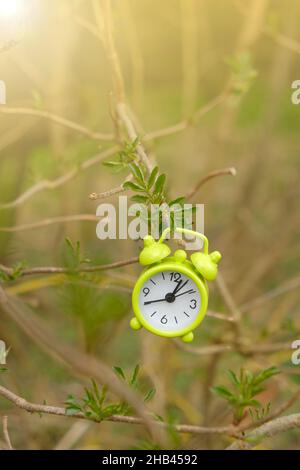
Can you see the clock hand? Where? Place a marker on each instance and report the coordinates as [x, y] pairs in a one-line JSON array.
[[152, 301], [177, 287], [191, 291], [177, 290]]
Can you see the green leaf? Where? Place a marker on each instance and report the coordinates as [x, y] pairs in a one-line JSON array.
[[233, 378], [266, 374], [133, 380], [179, 201], [112, 164], [139, 198], [149, 395], [152, 177], [159, 185], [119, 372], [133, 186], [222, 392], [71, 411], [137, 173]]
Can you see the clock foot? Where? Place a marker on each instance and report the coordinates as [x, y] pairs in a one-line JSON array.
[[135, 324], [188, 338]]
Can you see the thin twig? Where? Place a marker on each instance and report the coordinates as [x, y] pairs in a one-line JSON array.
[[50, 221], [118, 81], [269, 429], [214, 174], [88, 27], [61, 270], [106, 194], [283, 288], [280, 39], [267, 348], [61, 180], [183, 125], [6, 433], [281, 409], [74, 126]]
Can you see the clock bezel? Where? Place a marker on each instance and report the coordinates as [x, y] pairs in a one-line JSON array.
[[188, 271]]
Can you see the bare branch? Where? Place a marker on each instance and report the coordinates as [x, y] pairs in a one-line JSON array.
[[106, 194], [204, 350], [219, 316], [88, 27], [283, 288], [214, 174], [50, 221], [61, 180], [57, 120], [105, 21], [280, 39], [6, 433], [61, 270], [257, 349], [270, 429], [232, 307], [182, 125]]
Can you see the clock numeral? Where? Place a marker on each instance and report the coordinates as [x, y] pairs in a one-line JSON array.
[[146, 291], [176, 277], [164, 320], [193, 304]]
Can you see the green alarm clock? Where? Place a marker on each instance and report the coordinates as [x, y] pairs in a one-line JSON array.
[[170, 297]]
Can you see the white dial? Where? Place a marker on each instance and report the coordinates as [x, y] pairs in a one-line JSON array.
[[169, 301]]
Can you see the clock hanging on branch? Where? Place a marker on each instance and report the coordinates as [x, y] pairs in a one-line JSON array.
[[171, 295]]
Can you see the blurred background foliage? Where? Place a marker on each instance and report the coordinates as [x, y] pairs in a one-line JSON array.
[[176, 56]]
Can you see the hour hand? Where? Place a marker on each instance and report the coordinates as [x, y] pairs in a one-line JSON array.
[[152, 301], [177, 287]]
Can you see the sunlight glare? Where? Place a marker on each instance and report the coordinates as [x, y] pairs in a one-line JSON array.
[[10, 8]]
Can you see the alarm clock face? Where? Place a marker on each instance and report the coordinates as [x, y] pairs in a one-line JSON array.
[[169, 301]]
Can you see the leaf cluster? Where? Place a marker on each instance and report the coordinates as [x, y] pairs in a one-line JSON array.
[[97, 406], [245, 388], [243, 73]]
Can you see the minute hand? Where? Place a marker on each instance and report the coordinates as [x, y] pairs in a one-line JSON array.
[[191, 291]]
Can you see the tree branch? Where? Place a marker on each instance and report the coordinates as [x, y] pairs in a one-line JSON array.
[[50, 221], [57, 120], [58, 411], [269, 429], [61, 180], [214, 174], [6, 433], [61, 270], [81, 362]]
